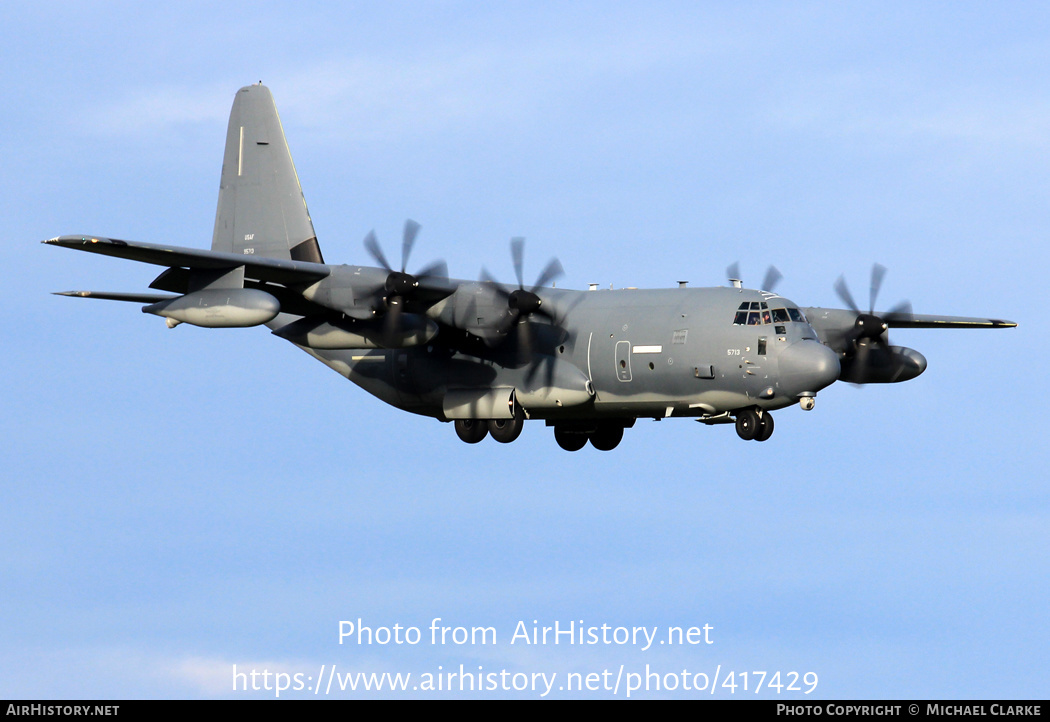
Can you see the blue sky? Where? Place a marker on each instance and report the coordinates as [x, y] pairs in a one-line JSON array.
[[176, 502]]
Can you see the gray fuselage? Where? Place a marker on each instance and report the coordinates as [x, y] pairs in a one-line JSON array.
[[644, 353]]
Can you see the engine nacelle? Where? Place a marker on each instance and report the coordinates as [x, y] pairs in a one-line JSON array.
[[219, 308], [872, 364], [337, 291], [411, 330]]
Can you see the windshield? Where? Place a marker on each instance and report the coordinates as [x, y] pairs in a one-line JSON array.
[[758, 313]]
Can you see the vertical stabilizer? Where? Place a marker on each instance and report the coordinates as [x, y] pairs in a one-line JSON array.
[[261, 210]]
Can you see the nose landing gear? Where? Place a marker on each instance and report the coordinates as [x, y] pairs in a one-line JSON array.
[[752, 424]]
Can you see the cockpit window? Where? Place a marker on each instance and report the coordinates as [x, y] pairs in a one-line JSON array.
[[755, 313]]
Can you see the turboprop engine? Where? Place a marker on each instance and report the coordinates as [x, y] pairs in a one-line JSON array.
[[874, 364]]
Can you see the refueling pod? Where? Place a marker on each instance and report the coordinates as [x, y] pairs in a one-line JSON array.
[[218, 308]]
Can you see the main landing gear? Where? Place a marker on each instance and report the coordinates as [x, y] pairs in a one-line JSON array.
[[502, 430], [752, 424], [471, 430], [604, 436]]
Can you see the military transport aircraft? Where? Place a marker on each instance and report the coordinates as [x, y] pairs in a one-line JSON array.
[[488, 356]]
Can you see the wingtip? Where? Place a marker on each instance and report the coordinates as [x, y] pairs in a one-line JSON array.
[[71, 240]]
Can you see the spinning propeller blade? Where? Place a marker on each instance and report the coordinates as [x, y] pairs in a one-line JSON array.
[[870, 329], [400, 286], [772, 277], [523, 303]]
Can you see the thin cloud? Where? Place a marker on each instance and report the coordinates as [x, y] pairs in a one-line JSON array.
[[159, 108], [877, 106], [412, 95]]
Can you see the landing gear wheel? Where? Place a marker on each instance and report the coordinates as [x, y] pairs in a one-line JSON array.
[[471, 430], [506, 430], [747, 423], [606, 437], [765, 428], [568, 440]]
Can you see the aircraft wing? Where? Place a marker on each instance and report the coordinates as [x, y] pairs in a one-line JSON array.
[[842, 320], [918, 320], [282, 278], [274, 270], [836, 327], [130, 297]]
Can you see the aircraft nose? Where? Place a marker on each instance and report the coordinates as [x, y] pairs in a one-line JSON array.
[[807, 366]]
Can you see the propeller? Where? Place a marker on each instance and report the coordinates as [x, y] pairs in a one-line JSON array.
[[772, 278], [522, 302], [400, 285], [870, 328]]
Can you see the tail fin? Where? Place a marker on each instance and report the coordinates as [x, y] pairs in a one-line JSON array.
[[261, 210]]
